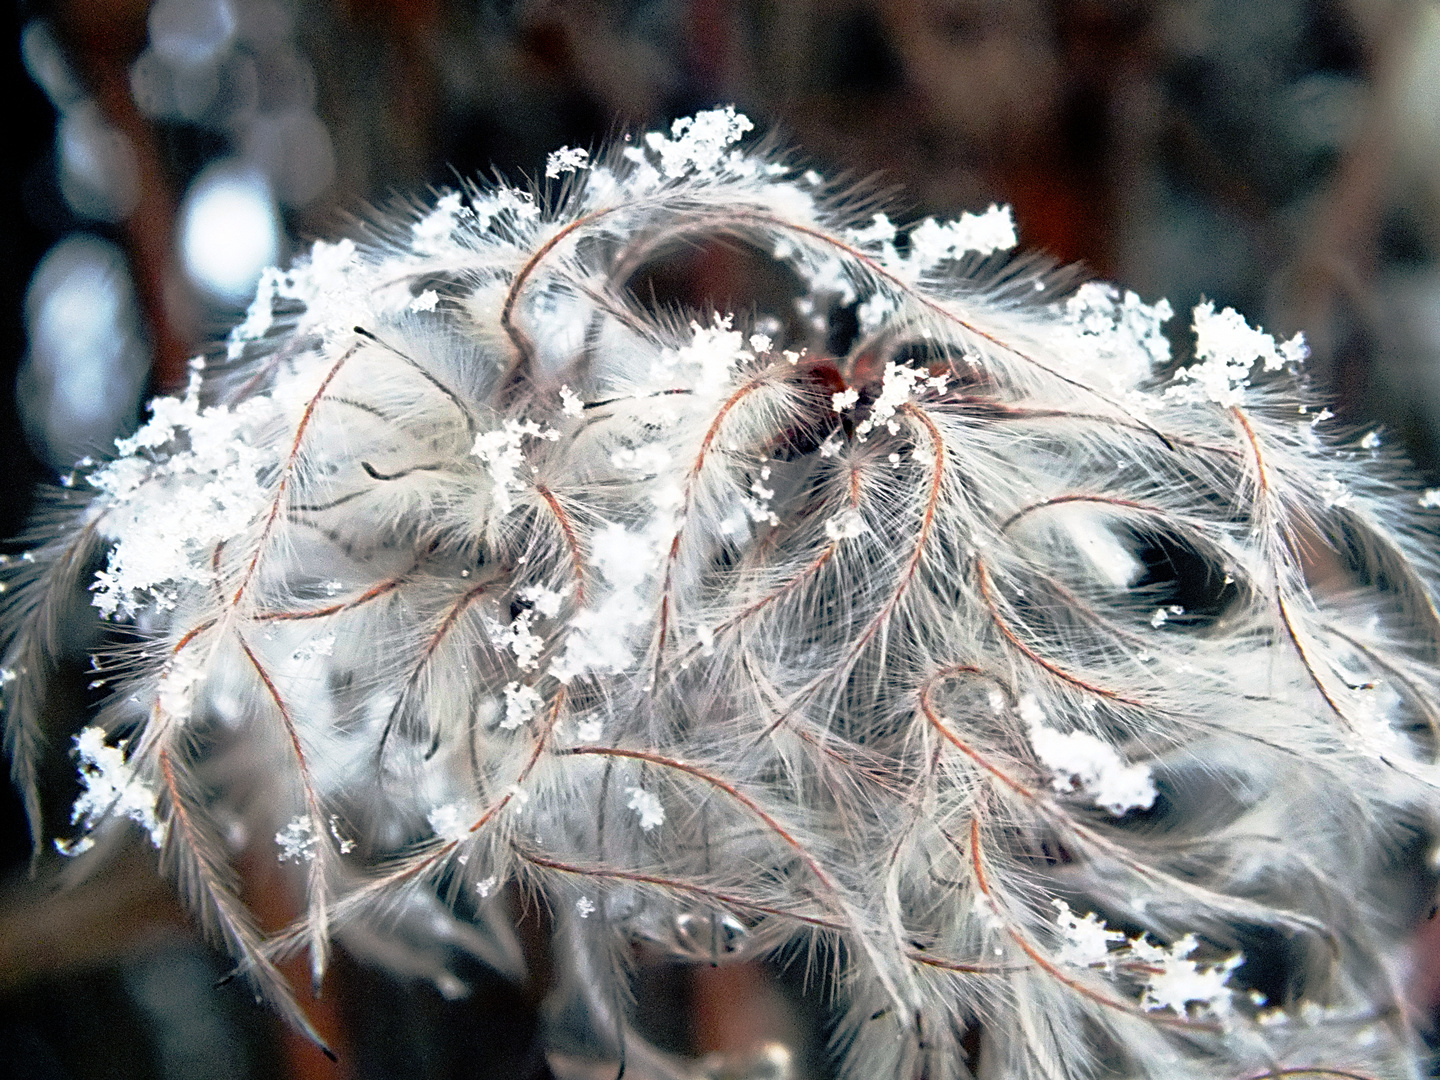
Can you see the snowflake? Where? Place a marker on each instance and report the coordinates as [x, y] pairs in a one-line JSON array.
[[500, 450], [1228, 348], [188, 479], [714, 350], [518, 638], [110, 788], [566, 159], [1087, 941], [698, 143], [896, 388], [846, 525], [297, 840], [1173, 981], [175, 694], [570, 403], [450, 822], [521, 704], [1110, 336], [933, 242], [545, 601], [433, 233], [1079, 758], [647, 807]]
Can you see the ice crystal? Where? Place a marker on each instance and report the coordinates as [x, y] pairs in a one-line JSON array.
[[846, 525], [1175, 982], [109, 789], [1228, 348], [647, 808], [519, 639], [1087, 941], [567, 159], [1117, 336], [699, 143], [521, 703], [450, 822], [188, 479], [297, 840], [899, 383], [316, 647], [1077, 758], [501, 451]]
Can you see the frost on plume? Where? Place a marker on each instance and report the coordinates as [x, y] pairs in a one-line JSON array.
[[110, 789], [1028, 654]]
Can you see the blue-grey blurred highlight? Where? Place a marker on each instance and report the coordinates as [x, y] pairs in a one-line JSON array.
[[80, 385]]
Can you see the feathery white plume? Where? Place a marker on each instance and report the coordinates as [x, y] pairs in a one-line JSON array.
[[872, 648]]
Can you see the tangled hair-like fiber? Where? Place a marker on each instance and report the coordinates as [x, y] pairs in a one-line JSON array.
[[1038, 681]]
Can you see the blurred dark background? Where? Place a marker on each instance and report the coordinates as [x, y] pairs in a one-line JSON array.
[[1279, 156]]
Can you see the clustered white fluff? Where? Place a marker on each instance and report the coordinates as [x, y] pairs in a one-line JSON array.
[[482, 570]]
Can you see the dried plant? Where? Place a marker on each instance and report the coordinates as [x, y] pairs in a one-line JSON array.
[[1074, 703]]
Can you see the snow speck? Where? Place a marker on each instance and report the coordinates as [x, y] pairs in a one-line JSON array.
[[1087, 941], [846, 525], [500, 451], [450, 822], [647, 807], [521, 704], [110, 788], [565, 160], [297, 840], [1077, 758], [322, 645]]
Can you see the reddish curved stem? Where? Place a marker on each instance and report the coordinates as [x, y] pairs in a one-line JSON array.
[[965, 748], [986, 592], [674, 553], [567, 529], [1044, 964], [288, 471]]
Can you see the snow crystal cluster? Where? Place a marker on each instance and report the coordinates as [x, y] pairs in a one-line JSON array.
[[464, 566]]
